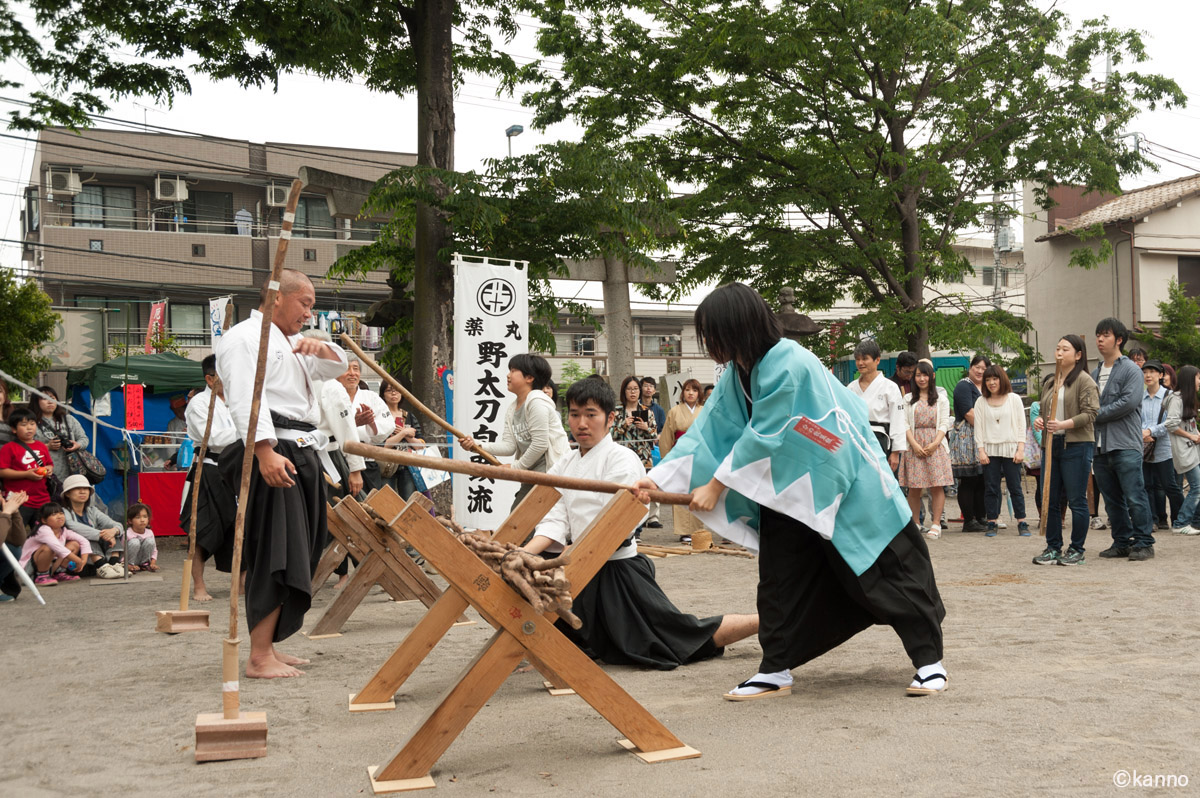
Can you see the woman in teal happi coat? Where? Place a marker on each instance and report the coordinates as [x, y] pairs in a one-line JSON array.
[[782, 459]]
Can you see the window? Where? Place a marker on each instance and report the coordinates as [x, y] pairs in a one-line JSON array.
[[310, 255], [199, 250], [189, 323], [583, 344], [364, 230], [313, 219], [209, 212], [661, 341], [989, 276], [1189, 275], [104, 206], [33, 209]]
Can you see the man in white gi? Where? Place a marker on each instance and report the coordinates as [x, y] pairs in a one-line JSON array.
[[217, 508], [627, 619], [285, 513], [885, 405]]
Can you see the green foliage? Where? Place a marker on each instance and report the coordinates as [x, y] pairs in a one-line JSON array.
[[839, 146], [565, 201], [83, 61], [160, 341], [1089, 257], [26, 323], [572, 373], [1178, 339]]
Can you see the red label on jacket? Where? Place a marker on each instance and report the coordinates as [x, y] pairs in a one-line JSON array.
[[818, 434]]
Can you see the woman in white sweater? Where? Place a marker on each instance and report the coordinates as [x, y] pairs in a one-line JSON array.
[[1000, 436]]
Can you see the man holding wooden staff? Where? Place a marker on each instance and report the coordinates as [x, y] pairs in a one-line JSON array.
[[285, 513], [218, 503]]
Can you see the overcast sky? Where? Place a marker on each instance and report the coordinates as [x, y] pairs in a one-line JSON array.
[[311, 111]]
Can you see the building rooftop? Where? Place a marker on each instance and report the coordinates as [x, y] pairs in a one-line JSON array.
[[1133, 204]]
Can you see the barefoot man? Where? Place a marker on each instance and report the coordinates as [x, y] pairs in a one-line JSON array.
[[217, 508], [285, 513]]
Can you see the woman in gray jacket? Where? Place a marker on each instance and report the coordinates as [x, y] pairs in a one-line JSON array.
[[84, 518], [58, 429], [1185, 454]]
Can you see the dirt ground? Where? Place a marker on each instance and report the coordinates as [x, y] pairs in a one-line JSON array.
[[1061, 680]]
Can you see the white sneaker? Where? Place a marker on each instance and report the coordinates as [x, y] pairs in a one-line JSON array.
[[1189, 530], [1098, 523], [109, 571]]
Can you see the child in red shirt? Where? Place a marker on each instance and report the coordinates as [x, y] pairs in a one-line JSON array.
[[25, 464]]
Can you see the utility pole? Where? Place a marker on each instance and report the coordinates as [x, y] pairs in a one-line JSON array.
[[997, 268]]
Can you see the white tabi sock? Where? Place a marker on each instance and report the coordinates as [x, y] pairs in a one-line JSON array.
[[781, 678], [925, 671]]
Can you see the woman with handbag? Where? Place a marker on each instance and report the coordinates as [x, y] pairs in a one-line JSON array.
[[926, 464], [408, 431], [58, 429], [964, 455]]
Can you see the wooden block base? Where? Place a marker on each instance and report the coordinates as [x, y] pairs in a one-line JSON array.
[[398, 785], [173, 622], [552, 690], [321, 637], [666, 755], [379, 707], [218, 739]]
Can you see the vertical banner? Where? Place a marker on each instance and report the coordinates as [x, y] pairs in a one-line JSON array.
[[217, 308], [135, 416], [158, 314], [491, 324]]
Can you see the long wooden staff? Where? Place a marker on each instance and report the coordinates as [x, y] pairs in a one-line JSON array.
[[502, 472], [1048, 440], [392, 381], [230, 698], [187, 565]]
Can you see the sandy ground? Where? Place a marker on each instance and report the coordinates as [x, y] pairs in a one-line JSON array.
[[1059, 679]]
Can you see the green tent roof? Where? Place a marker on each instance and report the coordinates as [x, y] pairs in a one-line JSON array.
[[160, 373]]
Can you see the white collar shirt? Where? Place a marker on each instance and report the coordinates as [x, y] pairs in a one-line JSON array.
[[885, 405], [223, 432], [289, 387], [567, 519]]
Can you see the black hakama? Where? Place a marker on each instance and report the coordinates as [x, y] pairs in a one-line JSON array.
[[810, 601], [215, 515], [628, 620], [285, 536]]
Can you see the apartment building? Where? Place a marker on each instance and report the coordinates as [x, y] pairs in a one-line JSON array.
[[117, 219]]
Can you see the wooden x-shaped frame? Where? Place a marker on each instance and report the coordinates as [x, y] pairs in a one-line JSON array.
[[382, 560], [520, 632]]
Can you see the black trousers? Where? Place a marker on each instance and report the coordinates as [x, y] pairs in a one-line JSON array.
[[971, 495], [810, 601]]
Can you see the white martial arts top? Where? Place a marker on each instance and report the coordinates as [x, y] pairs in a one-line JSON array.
[[289, 385], [885, 405], [337, 421], [607, 460], [223, 430], [385, 423]]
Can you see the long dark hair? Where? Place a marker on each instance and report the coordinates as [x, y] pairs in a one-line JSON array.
[[1186, 386], [735, 324], [60, 412], [931, 389], [6, 406]]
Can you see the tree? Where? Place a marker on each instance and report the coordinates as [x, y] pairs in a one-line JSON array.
[[28, 323], [839, 146], [394, 47], [1178, 339]]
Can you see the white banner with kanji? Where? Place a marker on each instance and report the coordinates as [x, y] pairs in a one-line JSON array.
[[491, 324]]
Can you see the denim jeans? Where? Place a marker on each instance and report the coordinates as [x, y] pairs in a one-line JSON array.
[[1119, 478], [992, 472], [1187, 512], [1070, 466], [1160, 479]]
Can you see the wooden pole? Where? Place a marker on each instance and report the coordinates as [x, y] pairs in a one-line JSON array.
[[1048, 448], [187, 565], [504, 472], [230, 654], [392, 381]]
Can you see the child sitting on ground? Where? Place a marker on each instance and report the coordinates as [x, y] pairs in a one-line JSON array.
[[139, 539], [58, 554]]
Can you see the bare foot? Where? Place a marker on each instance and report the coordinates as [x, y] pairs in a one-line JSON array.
[[201, 594], [270, 668], [288, 659], [341, 583], [524, 667]]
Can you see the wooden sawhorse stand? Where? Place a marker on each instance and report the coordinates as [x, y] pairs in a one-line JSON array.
[[520, 631], [382, 560]]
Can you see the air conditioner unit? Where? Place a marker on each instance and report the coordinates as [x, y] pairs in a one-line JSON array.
[[277, 196], [63, 182], [172, 189]]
